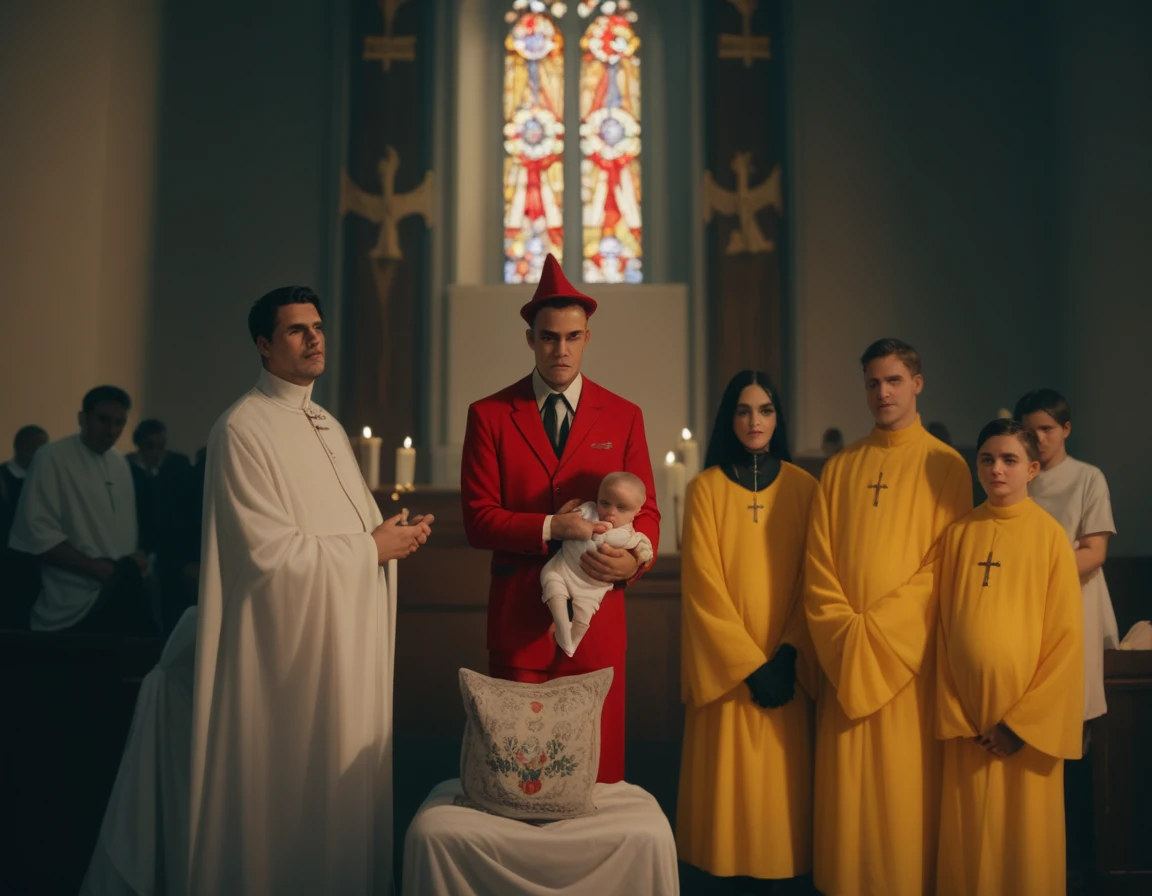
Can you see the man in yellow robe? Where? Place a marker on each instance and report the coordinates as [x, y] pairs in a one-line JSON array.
[[745, 805], [1010, 675], [882, 503]]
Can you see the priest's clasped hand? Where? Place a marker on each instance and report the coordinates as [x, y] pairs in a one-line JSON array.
[[774, 683], [399, 537]]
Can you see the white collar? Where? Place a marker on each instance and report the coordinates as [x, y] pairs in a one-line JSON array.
[[284, 392], [543, 390], [15, 469]]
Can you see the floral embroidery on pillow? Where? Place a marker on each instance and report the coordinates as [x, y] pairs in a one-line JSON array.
[[531, 751], [529, 762]]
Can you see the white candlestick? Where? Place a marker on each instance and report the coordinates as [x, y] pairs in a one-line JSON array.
[[689, 450], [674, 484], [370, 458], [405, 465]]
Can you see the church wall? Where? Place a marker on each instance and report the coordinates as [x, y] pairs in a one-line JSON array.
[[78, 115], [1105, 87], [246, 198], [923, 207]]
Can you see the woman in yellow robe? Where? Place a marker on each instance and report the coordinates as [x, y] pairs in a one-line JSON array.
[[1010, 679], [745, 806]]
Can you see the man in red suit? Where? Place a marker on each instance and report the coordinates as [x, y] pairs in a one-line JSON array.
[[534, 452]]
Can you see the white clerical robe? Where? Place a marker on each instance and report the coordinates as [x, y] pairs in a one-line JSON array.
[[143, 845], [1076, 494], [74, 494], [292, 718]]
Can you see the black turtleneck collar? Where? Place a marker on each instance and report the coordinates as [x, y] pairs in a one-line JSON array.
[[740, 470]]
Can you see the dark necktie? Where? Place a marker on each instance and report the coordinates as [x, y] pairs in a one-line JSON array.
[[554, 426]]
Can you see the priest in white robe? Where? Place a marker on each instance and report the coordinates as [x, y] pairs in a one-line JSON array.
[[292, 717]]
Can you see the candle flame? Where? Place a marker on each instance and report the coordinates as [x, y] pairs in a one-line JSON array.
[[407, 442], [686, 434], [367, 432], [670, 457]]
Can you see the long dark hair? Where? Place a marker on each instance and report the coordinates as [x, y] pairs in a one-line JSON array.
[[724, 447]]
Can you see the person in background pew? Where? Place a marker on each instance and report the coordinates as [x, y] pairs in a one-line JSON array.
[[164, 492], [1076, 494], [19, 572], [939, 431], [77, 513], [745, 806], [29, 440]]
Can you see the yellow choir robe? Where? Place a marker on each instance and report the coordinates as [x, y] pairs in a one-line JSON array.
[[745, 805], [868, 596], [1011, 650]]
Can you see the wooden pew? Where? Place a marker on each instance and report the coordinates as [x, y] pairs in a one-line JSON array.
[[66, 703], [1122, 742]]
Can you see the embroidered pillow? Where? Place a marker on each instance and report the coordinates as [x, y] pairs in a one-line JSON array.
[[531, 751]]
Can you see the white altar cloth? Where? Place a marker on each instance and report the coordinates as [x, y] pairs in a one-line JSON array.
[[625, 848]]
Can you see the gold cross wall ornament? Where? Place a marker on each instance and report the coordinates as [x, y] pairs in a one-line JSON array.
[[743, 203], [386, 47], [389, 208], [746, 45]]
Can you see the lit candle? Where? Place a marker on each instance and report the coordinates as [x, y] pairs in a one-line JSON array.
[[370, 458], [689, 450], [405, 465], [674, 483]]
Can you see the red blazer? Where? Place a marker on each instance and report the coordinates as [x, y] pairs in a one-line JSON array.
[[510, 479]]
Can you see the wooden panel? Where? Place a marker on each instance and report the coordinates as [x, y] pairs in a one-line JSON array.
[[1130, 584], [1122, 775]]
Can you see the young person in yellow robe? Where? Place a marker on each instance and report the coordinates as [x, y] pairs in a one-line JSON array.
[[745, 806], [882, 503], [1010, 676]]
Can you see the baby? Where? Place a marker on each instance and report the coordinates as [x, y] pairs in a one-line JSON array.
[[563, 578]]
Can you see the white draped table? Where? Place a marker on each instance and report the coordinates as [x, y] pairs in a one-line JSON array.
[[625, 848]]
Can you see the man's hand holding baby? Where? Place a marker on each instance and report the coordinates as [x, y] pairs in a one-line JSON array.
[[569, 525]]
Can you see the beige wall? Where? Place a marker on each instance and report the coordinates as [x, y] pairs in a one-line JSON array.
[[1105, 84], [78, 113], [924, 207]]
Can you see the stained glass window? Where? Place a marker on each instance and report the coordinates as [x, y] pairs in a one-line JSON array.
[[533, 139], [610, 143]]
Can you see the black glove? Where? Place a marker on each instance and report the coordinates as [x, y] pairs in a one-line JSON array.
[[774, 683]]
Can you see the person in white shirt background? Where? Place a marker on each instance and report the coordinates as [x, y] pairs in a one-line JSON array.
[[78, 514], [1076, 494]]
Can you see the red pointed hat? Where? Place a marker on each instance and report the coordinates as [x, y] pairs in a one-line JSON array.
[[554, 285]]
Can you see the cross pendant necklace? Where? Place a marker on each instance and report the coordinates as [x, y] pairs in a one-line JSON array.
[[755, 506]]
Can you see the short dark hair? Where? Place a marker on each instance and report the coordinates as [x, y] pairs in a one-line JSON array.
[[146, 428], [105, 393], [1003, 426], [882, 348], [1049, 401], [558, 302], [24, 433], [724, 447], [262, 317]]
